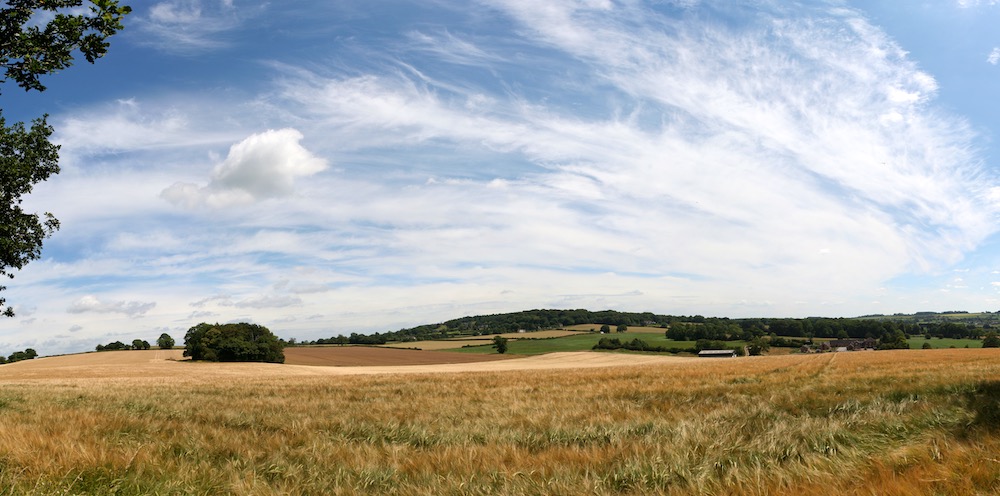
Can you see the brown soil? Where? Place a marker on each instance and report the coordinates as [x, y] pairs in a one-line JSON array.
[[359, 356]]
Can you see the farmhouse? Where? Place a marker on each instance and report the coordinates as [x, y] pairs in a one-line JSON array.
[[717, 353]]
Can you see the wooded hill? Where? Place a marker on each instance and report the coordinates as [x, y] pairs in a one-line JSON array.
[[945, 325]]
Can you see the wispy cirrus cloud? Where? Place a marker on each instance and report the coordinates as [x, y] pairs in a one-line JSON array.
[[779, 159], [189, 26]]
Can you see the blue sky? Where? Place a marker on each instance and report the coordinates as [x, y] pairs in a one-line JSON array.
[[327, 167]]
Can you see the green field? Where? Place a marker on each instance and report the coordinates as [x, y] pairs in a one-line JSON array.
[[917, 342], [581, 342]]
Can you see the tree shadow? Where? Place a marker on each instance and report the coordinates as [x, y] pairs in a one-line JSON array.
[[984, 402]]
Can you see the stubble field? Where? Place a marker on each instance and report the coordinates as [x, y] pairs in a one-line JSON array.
[[901, 422]]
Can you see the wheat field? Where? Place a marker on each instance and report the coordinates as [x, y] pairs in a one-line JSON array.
[[895, 422]]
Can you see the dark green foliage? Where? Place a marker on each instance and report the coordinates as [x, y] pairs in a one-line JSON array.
[[26, 158], [991, 340], [692, 328], [926, 346], [500, 343], [605, 329], [240, 342], [622, 328], [165, 342], [709, 344], [894, 340], [114, 346], [137, 344], [758, 346], [17, 356], [636, 345], [29, 50]]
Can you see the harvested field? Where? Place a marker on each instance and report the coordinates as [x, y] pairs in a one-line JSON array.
[[355, 356]]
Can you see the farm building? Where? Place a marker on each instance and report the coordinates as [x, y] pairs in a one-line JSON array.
[[717, 353]]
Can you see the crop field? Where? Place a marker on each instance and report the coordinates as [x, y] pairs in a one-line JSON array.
[[887, 423]]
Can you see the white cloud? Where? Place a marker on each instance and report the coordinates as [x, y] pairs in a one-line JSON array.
[[189, 26], [994, 56], [268, 301], [616, 158], [91, 303], [262, 166]]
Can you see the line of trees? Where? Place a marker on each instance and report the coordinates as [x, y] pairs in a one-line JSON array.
[[165, 342], [137, 344], [354, 338], [17, 356]]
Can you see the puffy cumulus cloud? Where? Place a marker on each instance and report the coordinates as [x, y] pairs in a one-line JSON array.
[[262, 166], [93, 304]]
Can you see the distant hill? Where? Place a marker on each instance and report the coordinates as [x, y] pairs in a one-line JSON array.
[[957, 324]]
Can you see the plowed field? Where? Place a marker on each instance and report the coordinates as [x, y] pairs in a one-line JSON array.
[[357, 356]]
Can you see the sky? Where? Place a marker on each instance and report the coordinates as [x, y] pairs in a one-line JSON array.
[[323, 167]]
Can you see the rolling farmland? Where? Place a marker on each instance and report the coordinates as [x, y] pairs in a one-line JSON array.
[[893, 422]]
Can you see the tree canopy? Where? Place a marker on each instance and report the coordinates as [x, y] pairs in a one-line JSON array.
[[28, 51], [241, 342], [165, 342]]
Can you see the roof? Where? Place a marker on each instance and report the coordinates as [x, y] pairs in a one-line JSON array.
[[716, 352]]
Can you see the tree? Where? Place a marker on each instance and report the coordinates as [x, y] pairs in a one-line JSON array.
[[605, 329], [240, 342], [991, 340], [758, 346], [165, 342], [622, 328], [500, 343], [29, 51], [137, 344], [17, 356]]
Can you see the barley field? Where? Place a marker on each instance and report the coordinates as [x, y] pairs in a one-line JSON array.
[[873, 423]]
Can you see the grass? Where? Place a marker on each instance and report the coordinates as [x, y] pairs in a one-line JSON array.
[[917, 342], [580, 342], [894, 422]]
